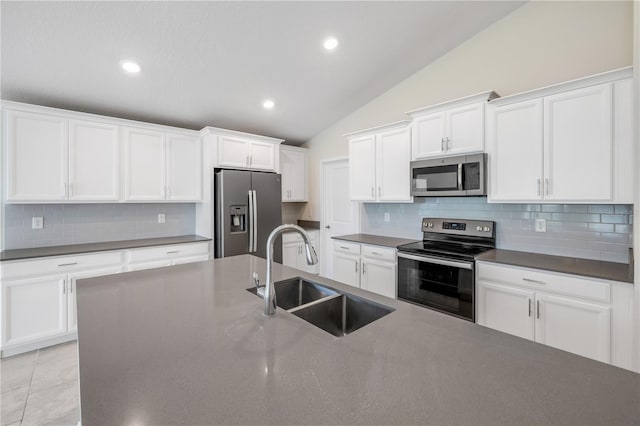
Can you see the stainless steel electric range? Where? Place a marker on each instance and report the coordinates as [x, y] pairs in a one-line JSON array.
[[439, 271]]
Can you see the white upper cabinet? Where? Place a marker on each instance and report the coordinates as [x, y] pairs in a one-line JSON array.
[[245, 151], [578, 144], [567, 143], [184, 168], [293, 167], [37, 156], [449, 128], [144, 159], [94, 160], [379, 163]]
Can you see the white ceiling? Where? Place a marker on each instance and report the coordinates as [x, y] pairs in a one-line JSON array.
[[212, 63]]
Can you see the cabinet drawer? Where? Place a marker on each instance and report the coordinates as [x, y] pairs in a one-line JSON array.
[[379, 253], [571, 285], [60, 264], [346, 247], [168, 252]]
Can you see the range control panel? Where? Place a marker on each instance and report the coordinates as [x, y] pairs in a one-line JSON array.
[[478, 228]]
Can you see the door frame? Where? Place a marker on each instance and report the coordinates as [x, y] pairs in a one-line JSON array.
[[323, 212]]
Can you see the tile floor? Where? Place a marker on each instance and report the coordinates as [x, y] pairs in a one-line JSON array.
[[41, 387]]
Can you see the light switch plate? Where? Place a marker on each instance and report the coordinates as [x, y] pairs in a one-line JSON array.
[[161, 218], [541, 225], [37, 222], [387, 217]]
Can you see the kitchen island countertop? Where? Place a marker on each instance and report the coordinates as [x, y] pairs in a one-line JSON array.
[[187, 344]]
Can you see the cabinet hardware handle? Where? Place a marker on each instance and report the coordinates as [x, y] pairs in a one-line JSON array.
[[346, 248], [539, 190], [538, 309], [442, 145], [533, 281], [64, 287], [172, 252], [546, 186], [379, 191], [448, 144], [364, 268], [356, 263], [529, 307], [68, 264], [70, 286], [376, 253], [328, 226]]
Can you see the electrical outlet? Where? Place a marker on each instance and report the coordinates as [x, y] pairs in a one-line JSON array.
[[387, 217], [37, 222], [541, 225], [161, 218]]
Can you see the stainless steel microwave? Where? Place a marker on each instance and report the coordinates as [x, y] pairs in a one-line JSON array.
[[458, 176]]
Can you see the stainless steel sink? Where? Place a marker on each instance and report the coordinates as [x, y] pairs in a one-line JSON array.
[[297, 291], [342, 314]]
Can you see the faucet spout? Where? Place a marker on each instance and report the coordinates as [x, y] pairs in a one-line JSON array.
[[312, 259]]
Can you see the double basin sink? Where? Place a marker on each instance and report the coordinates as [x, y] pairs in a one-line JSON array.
[[334, 312]]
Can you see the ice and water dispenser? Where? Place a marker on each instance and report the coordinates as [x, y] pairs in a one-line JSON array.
[[238, 218]]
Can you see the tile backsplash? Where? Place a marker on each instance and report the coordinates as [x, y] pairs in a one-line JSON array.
[[88, 223], [598, 231]]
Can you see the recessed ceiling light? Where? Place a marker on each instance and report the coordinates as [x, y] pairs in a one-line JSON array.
[[268, 104], [131, 67], [330, 43]]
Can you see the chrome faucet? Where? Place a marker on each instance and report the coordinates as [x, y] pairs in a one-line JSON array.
[[312, 259]]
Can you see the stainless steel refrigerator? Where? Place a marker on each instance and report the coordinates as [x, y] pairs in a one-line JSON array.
[[248, 206]]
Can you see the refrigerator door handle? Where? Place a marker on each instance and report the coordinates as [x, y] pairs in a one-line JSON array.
[[251, 215], [255, 221]]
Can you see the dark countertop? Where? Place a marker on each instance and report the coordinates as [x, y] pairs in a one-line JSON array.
[[309, 224], [187, 345], [376, 240], [20, 254], [569, 265]]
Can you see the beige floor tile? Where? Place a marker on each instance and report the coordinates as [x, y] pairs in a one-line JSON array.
[[51, 404], [16, 371], [12, 405], [55, 365]]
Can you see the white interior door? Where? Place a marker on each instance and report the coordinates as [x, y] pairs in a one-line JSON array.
[[340, 215]]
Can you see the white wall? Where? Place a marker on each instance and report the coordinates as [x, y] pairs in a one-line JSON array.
[[539, 44]]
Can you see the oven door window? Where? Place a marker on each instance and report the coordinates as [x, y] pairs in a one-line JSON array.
[[435, 178], [445, 288]]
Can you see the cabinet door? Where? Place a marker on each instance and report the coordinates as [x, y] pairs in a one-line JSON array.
[[293, 167], [515, 147], [94, 161], [428, 135], [379, 277], [184, 168], [290, 253], [233, 152], [505, 309], [393, 165], [465, 129], [34, 309], [578, 145], [262, 156], [578, 327], [362, 168], [37, 151], [72, 315], [144, 158], [346, 269]]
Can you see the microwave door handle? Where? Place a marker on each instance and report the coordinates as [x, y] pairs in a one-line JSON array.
[[460, 177]]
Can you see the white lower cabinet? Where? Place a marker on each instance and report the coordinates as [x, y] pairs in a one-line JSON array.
[[38, 306], [294, 252], [585, 316], [371, 268]]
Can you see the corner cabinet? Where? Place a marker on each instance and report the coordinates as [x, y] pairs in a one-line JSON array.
[[379, 163], [585, 316], [570, 143], [450, 128], [294, 170]]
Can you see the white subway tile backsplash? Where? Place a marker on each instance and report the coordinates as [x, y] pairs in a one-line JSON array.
[[601, 232], [88, 223]]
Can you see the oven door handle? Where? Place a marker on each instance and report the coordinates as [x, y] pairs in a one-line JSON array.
[[437, 261]]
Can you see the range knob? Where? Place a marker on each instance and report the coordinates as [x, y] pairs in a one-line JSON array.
[[486, 229], [430, 225], [479, 228]]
